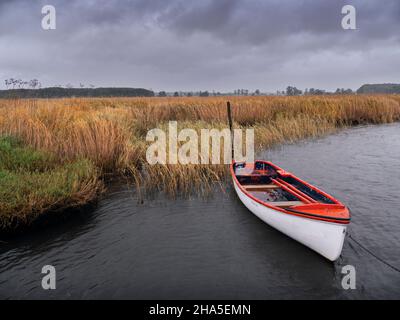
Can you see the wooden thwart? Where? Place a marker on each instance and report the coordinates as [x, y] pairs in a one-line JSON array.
[[260, 187], [285, 204]]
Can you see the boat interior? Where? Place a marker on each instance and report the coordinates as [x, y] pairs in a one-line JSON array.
[[274, 186]]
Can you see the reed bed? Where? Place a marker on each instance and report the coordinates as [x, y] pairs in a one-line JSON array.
[[109, 133]]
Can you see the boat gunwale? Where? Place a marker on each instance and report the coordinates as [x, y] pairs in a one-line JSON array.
[[290, 211]]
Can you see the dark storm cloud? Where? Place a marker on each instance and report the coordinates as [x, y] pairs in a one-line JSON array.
[[257, 22], [188, 44]]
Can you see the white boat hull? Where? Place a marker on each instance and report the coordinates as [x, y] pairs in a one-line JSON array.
[[326, 238]]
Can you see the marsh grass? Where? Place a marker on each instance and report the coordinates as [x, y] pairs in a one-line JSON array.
[[14, 157], [69, 143], [31, 184]]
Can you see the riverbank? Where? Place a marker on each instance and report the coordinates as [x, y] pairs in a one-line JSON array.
[[55, 152], [32, 183]]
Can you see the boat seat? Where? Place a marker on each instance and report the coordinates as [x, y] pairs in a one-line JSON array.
[[260, 187], [285, 204]]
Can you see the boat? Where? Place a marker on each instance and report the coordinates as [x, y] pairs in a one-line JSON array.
[[291, 205]]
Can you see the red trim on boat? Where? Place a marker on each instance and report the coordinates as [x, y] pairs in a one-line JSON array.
[[308, 210]]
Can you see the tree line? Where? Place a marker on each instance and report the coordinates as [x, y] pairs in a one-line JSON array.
[[293, 91], [18, 88], [55, 92]]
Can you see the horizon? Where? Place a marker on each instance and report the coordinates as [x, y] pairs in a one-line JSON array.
[[212, 91]]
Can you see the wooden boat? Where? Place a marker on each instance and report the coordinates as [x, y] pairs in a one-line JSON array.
[[291, 205]]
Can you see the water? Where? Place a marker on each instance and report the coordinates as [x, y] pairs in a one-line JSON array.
[[215, 248]]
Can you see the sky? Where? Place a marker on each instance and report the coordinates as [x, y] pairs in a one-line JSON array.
[[190, 45]]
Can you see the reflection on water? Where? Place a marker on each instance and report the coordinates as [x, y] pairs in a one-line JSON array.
[[215, 248]]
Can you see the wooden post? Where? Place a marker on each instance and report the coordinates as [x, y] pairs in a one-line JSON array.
[[228, 105]]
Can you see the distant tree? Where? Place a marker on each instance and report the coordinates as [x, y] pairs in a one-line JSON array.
[[293, 91], [13, 82], [348, 91], [34, 83], [176, 94], [343, 91], [204, 94], [316, 92], [162, 94]]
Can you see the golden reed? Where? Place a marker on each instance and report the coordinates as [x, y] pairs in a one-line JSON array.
[[111, 132]]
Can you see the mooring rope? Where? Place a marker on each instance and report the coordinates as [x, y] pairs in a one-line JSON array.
[[374, 255]]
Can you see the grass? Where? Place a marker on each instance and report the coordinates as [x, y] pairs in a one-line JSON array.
[[14, 157], [31, 184], [67, 144]]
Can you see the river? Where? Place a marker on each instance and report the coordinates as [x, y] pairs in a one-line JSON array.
[[213, 247]]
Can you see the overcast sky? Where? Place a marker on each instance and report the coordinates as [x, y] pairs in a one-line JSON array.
[[201, 44]]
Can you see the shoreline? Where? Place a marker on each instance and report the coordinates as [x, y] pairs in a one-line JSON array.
[[53, 217]]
